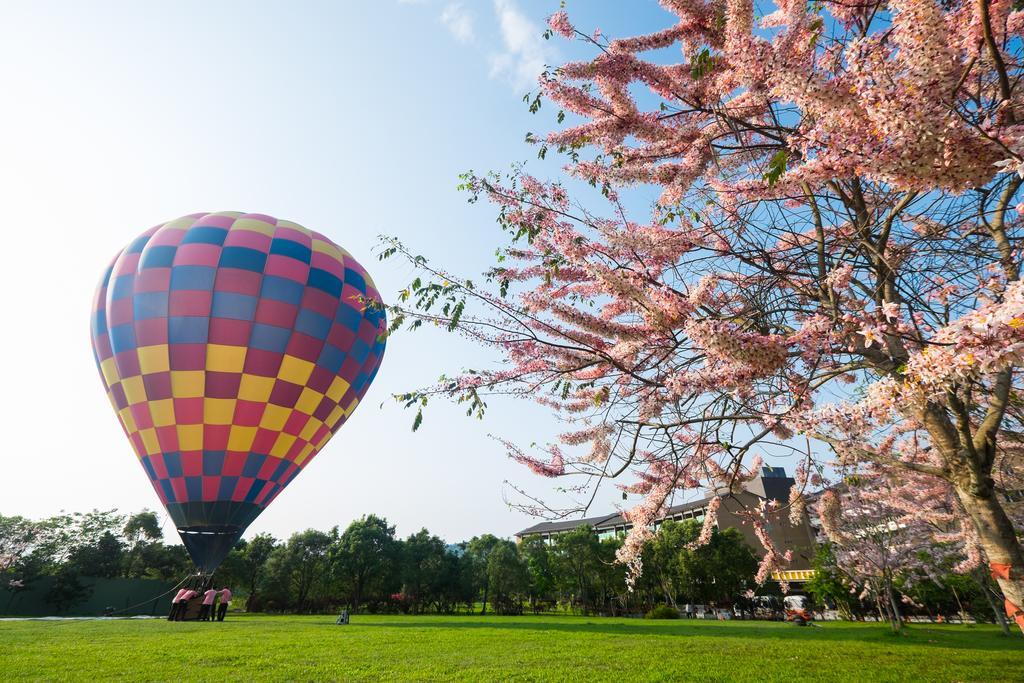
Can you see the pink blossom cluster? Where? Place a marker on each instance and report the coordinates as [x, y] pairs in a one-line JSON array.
[[554, 468], [710, 522], [758, 354], [869, 106], [559, 23], [982, 342]]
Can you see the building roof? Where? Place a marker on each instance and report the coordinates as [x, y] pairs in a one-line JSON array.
[[603, 521], [771, 483], [565, 525]]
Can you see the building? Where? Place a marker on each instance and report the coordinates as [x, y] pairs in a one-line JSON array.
[[771, 484]]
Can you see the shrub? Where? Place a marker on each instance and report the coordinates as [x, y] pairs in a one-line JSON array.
[[662, 612]]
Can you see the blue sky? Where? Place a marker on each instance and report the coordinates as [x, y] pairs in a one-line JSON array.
[[353, 119]]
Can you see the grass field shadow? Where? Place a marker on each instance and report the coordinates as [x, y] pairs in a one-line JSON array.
[[915, 635]]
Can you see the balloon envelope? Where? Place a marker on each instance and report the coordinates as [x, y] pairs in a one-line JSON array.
[[232, 346]]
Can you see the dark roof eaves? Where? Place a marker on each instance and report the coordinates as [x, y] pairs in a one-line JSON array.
[[612, 520]]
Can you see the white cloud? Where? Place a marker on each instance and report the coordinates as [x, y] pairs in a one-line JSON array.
[[526, 52], [458, 21]]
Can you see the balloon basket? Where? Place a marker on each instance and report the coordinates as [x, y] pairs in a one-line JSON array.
[[199, 582]]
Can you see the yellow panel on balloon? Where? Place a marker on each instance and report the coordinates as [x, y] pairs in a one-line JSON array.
[[254, 225], [153, 359], [256, 388], [282, 445], [223, 358], [310, 429], [190, 437], [308, 401], [241, 438], [274, 417], [295, 370], [337, 389], [218, 411], [108, 369], [303, 454], [162, 412], [188, 383], [134, 390], [149, 441]]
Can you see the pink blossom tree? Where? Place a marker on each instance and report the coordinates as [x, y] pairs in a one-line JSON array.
[[833, 257], [17, 537], [886, 527]]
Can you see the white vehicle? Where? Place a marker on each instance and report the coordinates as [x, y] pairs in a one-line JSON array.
[[797, 609]]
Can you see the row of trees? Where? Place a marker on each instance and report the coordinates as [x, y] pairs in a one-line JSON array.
[[366, 567], [67, 547]]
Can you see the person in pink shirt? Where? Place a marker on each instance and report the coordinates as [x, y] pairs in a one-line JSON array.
[[189, 594], [205, 611], [225, 600], [176, 604]]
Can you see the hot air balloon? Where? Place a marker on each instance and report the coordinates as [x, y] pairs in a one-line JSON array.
[[232, 347]]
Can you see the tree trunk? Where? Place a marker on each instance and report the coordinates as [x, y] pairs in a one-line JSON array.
[[895, 618], [357, 595], [251, 598], [998, 539], [931, 617], [883, 614], [987, 591], [583, 596], [960, 606]]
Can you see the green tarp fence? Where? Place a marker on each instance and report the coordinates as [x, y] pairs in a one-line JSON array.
[[129, 597]]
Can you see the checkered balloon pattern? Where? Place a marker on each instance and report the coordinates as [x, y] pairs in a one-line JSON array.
[[232, 347]]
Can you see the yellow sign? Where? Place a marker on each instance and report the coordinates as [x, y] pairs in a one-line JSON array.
[[793, 575]]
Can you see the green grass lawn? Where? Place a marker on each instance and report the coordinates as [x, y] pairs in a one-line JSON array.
[[505, 648]]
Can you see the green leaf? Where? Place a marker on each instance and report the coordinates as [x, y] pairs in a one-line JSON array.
[[534, 106], [816, 31], [456, 315], [776, 167], [702, 64]]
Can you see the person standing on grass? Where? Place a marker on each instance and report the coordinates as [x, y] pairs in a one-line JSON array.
[[183, 608], [225, 600], [205, 612], [176, 604]]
